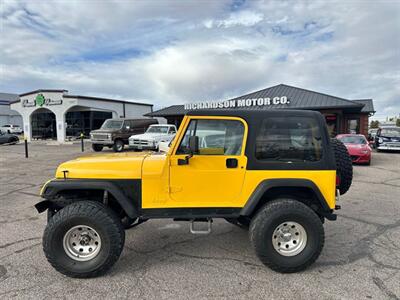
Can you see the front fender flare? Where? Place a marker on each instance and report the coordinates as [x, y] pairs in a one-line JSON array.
[[127, 192]]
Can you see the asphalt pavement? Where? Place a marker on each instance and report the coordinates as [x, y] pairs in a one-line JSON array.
[[162, 260]]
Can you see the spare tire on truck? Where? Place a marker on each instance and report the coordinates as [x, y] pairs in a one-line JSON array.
[[344, 166]]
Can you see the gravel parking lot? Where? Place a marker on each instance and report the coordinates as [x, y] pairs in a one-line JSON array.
[[162, 260]]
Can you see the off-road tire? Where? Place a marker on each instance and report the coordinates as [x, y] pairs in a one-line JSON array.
[[118, 146], [344, 165], [98, 217], [269, 217], [97, 147]]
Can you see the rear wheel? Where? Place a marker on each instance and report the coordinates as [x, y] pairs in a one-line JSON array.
[[344, 165], [83, 239], [97, 147], [287, 235], [118, 146]]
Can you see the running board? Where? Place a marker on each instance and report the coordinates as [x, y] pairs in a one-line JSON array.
[[196, 231]]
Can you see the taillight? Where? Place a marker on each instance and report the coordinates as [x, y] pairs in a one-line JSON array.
[[337, 180]]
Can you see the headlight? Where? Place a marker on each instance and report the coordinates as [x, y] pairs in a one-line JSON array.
[[109, 136], [383, 139]]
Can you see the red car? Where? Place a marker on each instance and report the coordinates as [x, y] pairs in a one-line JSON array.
[[358, 147]]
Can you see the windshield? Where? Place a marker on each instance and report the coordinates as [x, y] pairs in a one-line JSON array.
[[112, 124], [353, 140], [158, 129], [390, 131]]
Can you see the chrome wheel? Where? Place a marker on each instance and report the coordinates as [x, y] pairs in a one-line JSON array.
[[118, 146], [82, 243], [289, 238]]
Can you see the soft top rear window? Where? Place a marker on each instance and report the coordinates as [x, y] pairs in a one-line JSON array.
[[291, 139]]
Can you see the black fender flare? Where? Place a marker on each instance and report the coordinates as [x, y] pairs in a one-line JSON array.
[[267, 184], [127, 192]]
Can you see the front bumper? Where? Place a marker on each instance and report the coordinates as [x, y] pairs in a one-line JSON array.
[[141, 144], [360, 158], [102, 142], [389, 146]]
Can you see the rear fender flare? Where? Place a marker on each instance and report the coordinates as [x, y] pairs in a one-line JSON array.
[[267, 184]]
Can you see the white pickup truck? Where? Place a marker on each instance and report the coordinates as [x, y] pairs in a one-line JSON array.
[[152, 137]]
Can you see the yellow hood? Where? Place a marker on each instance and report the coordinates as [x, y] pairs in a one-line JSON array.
[[109, 166]]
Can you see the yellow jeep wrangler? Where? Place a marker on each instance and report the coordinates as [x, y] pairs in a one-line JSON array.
[[276, 173]]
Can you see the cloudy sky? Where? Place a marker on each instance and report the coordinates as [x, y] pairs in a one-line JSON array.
[[169, 52]]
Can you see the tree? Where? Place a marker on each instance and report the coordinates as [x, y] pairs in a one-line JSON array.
[[398, 122], [374, 124]]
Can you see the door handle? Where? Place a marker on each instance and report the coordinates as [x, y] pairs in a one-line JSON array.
[[231, 163]]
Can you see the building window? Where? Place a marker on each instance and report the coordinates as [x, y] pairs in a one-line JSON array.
[[84, 121], [353, 126], [291, 139]]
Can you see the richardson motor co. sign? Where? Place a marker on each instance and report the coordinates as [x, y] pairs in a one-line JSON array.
[[238, 103]]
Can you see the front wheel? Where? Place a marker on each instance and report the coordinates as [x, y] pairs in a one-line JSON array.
[[287, 235], [118, 146], [83, 240], [97, 147]]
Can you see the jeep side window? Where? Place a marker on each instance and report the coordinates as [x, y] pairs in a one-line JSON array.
[[216, 137], [292, 139]]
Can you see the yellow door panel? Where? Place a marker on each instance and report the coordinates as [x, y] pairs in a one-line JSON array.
[[206, 181]]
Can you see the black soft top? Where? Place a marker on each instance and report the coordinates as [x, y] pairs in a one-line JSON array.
[[254, 120]]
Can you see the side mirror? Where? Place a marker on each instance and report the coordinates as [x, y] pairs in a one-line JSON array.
[[194, 144], [193, 147]]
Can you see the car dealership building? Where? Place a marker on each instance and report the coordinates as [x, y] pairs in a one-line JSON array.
[[57, 115], [342, 115]]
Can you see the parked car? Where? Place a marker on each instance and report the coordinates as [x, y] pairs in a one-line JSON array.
[[371, 136], [282, 195], [388, 138], [8, 138], [357, 146], [152, 137], [9, 128], [116, 132]]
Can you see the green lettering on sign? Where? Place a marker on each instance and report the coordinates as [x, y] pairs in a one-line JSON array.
[[40, 99]]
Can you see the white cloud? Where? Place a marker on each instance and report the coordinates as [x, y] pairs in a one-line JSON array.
[[241, 18], [174, 52]]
